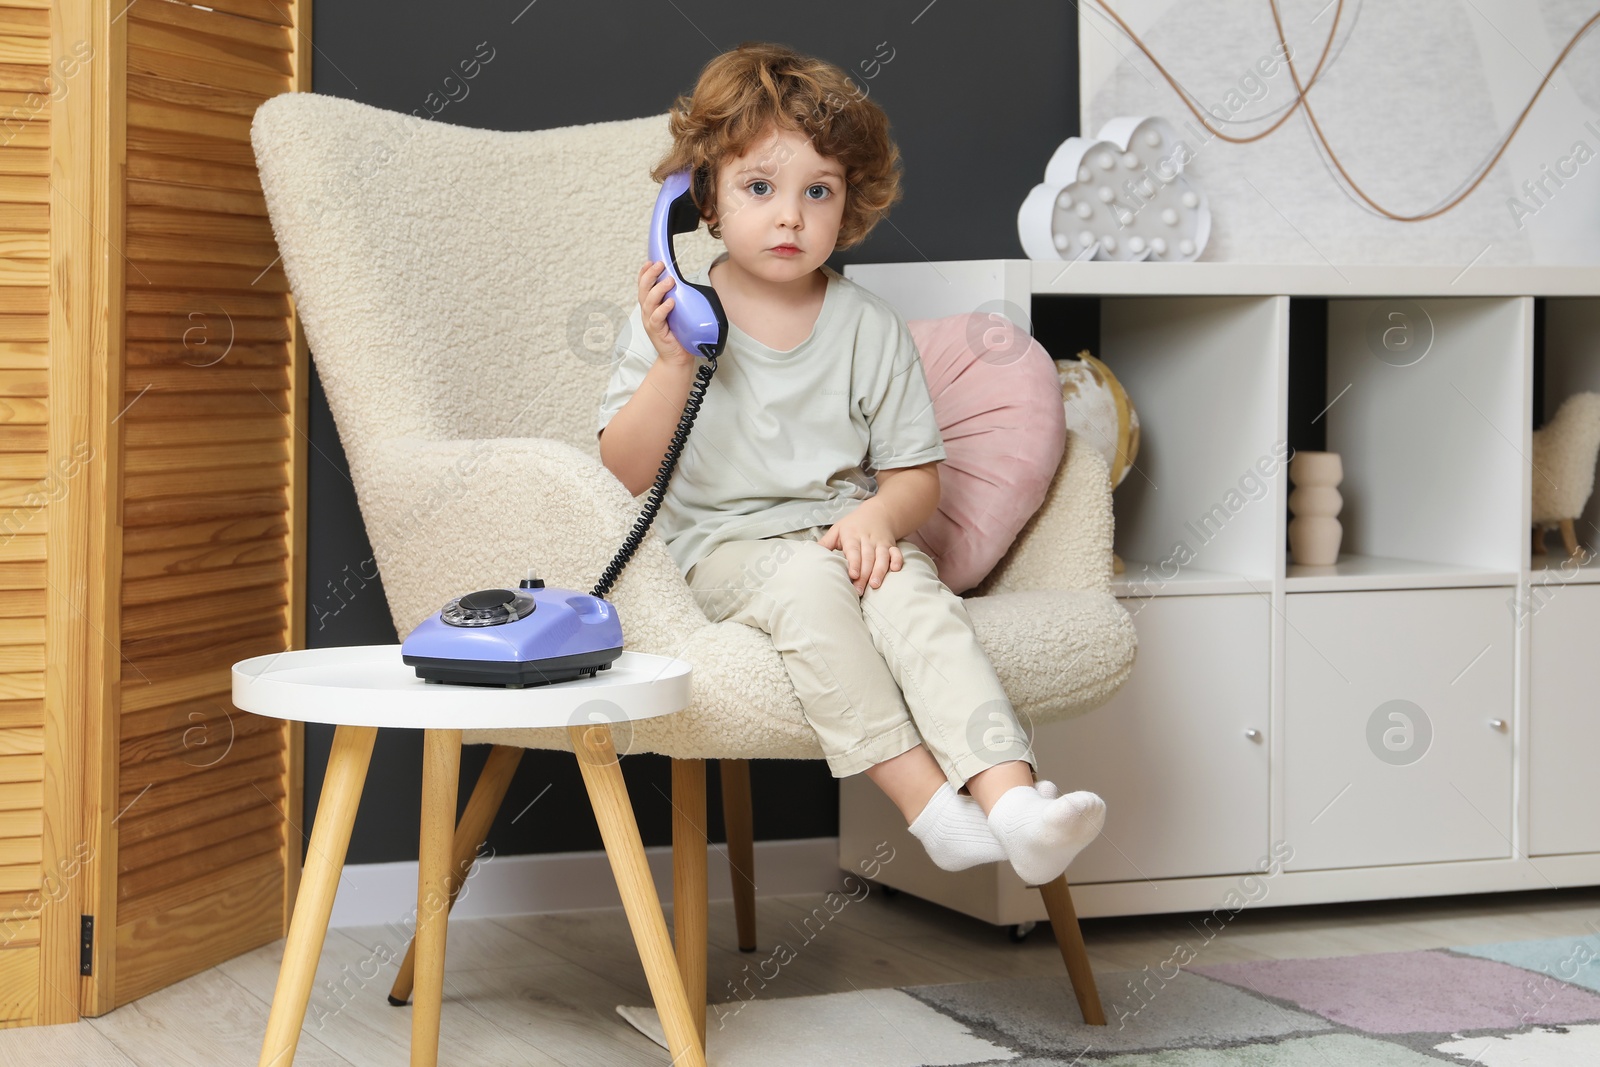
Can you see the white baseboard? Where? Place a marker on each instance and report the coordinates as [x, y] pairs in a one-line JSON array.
[[375, 894]]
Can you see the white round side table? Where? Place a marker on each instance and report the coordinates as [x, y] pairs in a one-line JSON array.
[[361, 688]]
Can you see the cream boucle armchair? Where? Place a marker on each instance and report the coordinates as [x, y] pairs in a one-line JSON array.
[[460, 291]]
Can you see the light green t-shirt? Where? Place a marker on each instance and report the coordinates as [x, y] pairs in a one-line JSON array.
[[787, 440]]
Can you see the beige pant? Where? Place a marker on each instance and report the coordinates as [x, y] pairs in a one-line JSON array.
[[851, 657]]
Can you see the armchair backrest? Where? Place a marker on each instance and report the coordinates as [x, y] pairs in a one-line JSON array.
[[458, 283]]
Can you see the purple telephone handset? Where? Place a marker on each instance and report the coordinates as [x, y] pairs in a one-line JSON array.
[[696, 318]]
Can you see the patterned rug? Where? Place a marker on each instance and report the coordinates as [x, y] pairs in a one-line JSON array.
[[1509, 1004]]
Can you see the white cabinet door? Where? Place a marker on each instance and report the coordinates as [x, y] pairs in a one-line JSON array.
[[1185, 784], [1564, 720], [1391, 752]]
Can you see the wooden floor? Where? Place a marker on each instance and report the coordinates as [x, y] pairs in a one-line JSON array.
[[540, 990]]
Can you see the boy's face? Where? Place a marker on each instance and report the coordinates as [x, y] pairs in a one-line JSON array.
[[780, 192]]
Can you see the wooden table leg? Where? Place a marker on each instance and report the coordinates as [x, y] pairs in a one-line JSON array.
[[493, 782], [608, 794], [319, 881], [441, 769], [689, 888]]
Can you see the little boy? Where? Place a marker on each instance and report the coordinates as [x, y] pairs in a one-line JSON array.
[[814, 454]]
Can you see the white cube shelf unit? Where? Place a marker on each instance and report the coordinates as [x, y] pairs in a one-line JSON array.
[[1421, 717]]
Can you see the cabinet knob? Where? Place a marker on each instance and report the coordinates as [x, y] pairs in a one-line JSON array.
[[1253, 734], [1498, 724]]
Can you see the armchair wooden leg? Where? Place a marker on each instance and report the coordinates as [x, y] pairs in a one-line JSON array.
[[689, 882], [1069, 938], [487, 796], [737, 818]]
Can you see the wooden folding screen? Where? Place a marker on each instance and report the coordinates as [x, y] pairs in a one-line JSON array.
[[152, 497]]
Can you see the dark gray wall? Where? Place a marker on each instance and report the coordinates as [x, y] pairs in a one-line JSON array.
[[978, 96]]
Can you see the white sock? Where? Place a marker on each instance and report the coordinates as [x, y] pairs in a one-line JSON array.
[[955, 831], [1042, 834]]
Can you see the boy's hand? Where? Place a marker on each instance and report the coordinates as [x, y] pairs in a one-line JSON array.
[[654, 282], [868, 542]]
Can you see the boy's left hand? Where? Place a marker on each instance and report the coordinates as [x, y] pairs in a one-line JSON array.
[[868, 542]]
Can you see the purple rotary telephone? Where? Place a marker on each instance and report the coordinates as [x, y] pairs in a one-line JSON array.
[[535, 636]]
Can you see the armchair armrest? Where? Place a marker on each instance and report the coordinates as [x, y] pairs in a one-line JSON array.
[[448, 517], [1067, 543]]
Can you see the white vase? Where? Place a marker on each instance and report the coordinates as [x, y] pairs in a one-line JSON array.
[[1314, 503]]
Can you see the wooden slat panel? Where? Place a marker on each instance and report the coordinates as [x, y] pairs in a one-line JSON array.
[[152, 303], [24, 21], [15, 189], [199, 225], [179, 510], [21, 823], [158, 947], [25, 50], [229, 28], [26, 411], [152, 248], [253, 795], [15, 159], [192, 559], [16, 603], [220, 856], [225, 652], [159, 718], [177, 144], [246, 453], [261, 10], [22, 272], [233, 55], [19, 129], [33, 218], [22, 546], [215, 836], [180, 771], [154, 432], [171, 587], [24, 300], [19, 355], [217, 532], [168, 169], [23, 328], [205, 71], [24, 383], [19, 927], [20, 796], [22, 78], [210, 326], [13, 686], [193, 96], [19, 985], [21, 849], [155, 405], [22, 466], [216, 885], [22, 712], [240, 354], [22, 768], [139, 486], [24, 574], [197, 732], [165, 194], [22, 876], [197, 787], [17, 658]]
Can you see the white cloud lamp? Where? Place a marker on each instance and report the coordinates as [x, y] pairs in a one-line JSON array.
[[1122, 196]]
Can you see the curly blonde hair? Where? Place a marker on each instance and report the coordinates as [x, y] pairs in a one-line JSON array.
[[742, 94]]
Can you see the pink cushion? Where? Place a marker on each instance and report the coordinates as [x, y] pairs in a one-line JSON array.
[[998, 402]]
